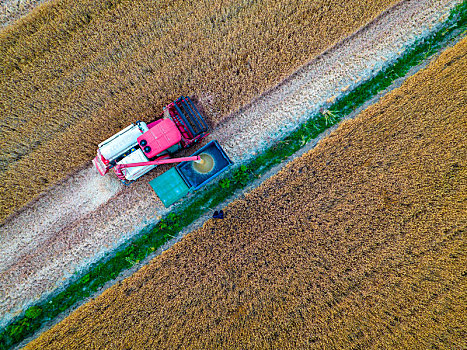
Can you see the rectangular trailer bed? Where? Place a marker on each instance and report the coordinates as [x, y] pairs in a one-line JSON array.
[[177, 182]]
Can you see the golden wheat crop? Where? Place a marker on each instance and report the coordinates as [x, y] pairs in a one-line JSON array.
[[360, 243], [75, 72]]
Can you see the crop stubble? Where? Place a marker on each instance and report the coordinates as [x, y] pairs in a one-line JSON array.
[[359, 243], [75, 72]]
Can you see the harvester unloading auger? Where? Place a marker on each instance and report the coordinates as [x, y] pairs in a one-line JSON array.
[[140, 147]]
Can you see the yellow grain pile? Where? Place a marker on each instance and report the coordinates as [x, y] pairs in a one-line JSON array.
[[358, 244], [75, 72]]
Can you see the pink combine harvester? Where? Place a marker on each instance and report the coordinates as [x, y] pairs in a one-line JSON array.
[[140, 147]]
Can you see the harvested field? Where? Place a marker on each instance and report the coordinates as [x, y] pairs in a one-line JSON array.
[[71, 68], [360, 243]]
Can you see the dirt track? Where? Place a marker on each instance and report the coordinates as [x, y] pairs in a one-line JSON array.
[[360, 243], [48, 242]]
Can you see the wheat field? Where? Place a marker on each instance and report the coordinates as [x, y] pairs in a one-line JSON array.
[[360, 243], [75, 72]]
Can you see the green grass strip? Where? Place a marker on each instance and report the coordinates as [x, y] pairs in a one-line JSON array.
[[237, 178]]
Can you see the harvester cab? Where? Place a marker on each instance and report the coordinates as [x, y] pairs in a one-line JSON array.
[[140, 147]]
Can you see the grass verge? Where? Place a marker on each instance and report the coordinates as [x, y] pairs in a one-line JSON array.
[[150, 239]]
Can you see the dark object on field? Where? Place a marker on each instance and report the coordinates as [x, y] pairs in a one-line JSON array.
[[218, 215]]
